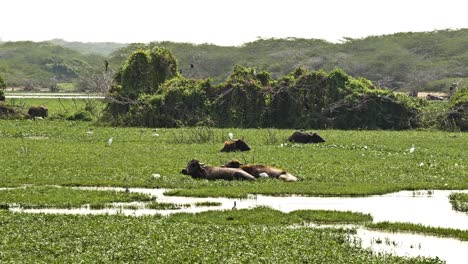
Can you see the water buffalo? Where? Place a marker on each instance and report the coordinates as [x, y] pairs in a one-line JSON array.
[[305, 137], [198, 171], [235, 145], [36, 111], [261, 170]]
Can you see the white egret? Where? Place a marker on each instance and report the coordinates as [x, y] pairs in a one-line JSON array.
[[231, 136], [109, 142], [411, 151]]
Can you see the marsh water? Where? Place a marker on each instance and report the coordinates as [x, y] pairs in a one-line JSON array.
[[429, 208]]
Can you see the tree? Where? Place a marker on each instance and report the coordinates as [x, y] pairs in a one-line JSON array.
[[136, 77]]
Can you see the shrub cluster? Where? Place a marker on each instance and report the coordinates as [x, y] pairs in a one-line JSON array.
[[458, 115], [151, 92], [2, 87]]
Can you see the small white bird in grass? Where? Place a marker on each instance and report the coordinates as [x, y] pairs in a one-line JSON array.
[[109, 142], [231, 136], [411, 150], [89, 132]]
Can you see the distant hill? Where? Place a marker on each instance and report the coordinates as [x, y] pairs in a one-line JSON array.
[[428, 61], [422, 61], [27, 63], [100, 48]]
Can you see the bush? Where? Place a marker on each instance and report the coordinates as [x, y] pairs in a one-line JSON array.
[[457, 117], [160, 97], [240, 101], [2, 87], [81, 116]]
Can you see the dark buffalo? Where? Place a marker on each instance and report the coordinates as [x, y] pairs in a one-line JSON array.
[[235, 145], [258, 170], [198, 171], [38, 111], [305, 137]]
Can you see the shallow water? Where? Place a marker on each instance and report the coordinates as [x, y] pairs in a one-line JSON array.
[[430, 208], [451, 250]]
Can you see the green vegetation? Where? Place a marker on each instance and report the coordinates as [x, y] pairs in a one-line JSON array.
[[71, 109], [416, 60], [248, 99], [42, 64], [268, 216], [420, 229], [2, 88], [208, 203], [52, 152], [95, 48], [56, 197], [458, 116], [331, 217], [459, 201], [164, 206], [69, 87], [110, 239]]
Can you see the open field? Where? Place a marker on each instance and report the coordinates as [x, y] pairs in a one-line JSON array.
[[56, 152], [58, 107], [349, 163]]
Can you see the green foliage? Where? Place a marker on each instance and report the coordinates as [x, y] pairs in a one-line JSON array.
[[136, 74], [163, 65], [414, 228], [458, 114], [122, 239], [145, 71], [57, 197], [180, 102], [81, 116], [2, 83], [241, 99], [459, 202], [304, 99], [460, 97]]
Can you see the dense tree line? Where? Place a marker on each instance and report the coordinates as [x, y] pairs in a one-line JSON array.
[[151, 92]]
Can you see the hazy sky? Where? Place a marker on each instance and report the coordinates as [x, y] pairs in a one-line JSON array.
[[222, 22]]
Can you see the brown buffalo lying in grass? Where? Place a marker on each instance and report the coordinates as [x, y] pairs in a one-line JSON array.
[[198, 171], [258, 171], [38, 111], [305, 137], [235, 145]]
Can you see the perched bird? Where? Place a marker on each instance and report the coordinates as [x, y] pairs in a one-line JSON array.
[[109, 142], [234, 207], [191, 65], [411, 150], [231, 136], [106, 64]]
